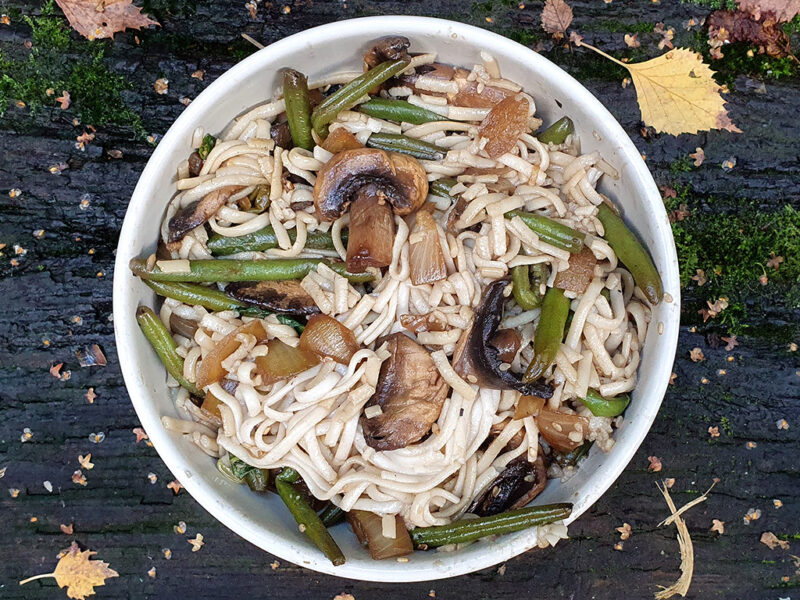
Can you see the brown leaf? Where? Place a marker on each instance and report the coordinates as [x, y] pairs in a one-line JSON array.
[[784, 10], [771, 541], [161, 85], [655, 464], [718, 526], [197, 542], [624, 531], [700, 278], [679, 214], [631, 41], [78, 478], [103, 18], [140, 434], [64, 100], [575, 38], [175, 486], [713, 431], [78, 573], [556, 17], [67, 529], [696, 354], [698, 156], [55, 370], [765, 33], [730, 342]]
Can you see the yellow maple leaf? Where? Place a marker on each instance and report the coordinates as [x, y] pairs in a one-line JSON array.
[[677, 93], [78, 573]]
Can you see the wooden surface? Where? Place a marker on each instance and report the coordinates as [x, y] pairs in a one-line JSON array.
[[58, 300]]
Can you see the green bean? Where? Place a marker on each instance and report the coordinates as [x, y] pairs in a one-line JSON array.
[[549, 333], [605, 407], [207, 297], [399, 111], [469, 530], [257, 479], [441, 187], [331, 515], [207, 145], [298, 108], [305, 516], [632, 254], [265, 239], [159, 337], [347, 96], [215, 270], [526, 292], [550, 231], [557, 132], [570, 459], [394, 142]]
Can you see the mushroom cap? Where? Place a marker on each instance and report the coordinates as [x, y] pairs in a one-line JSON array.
[[399, 178]]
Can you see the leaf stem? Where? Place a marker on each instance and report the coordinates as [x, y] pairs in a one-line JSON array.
[[601, 53], [29, 579]]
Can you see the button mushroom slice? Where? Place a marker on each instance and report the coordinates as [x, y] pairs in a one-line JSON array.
[[389, 48], [519, 483], [199, 212], [285, 297], [410, 393], [371, 233]]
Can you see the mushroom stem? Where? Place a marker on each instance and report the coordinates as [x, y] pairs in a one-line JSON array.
[[371, 234]]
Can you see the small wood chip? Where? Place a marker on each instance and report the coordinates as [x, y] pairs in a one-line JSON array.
[[140, 434], [696, 354], [718, 526], [655, 464], [771, 541], [67, 529]]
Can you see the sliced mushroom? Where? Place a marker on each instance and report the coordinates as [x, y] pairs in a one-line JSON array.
[[388, 48], [478, 358], [285, 297], [199, 212], [519, 483], [507, 342], [580, 272], [195, 164], [373, 177], [410, 393]]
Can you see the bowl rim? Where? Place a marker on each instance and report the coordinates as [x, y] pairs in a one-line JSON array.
[[209, 496]]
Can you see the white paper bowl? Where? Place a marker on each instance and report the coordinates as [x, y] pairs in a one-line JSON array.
[[262, 519]]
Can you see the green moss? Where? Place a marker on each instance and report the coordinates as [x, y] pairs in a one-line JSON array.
[[726, 426], [736, 62], [682, 164], [57, 62], [613, 26], [526, 37], [714, 4]]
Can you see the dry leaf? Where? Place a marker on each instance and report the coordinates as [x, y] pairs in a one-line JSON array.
[[713, 431], [718, 526], [103, 18], [161, 85], [86, 461], [770, 540], [753, 514], [698, 156], [175, 486], [90, 395], [67, 529], [64, 100], [696, 354], [631, 41], [197, 542], [666, 36], [556, 17], [766, 34], [672, 378], [679, 214], [55, 370], [784, 10], [700, 278], [780, 424], [140, 434], [730, 342], [655, 464], [575, 38], [774, 261], [344, 597], [624, 531], [78, 478], [78, 573], [677, 93]]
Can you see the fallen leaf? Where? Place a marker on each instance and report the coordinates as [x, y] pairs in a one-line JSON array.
[[766, 34], [700, 278], [78, 478], [161, 85], [666, 33], [103, 18], [655, 464], [763, 280], [669, 482], [782, 424], [252, 8], [64, 100], [55, 370], [556, 17], [67, 529], [152, 572], [631, 41], [672, 378], [78, 573], [713, 432], [91, 356], [575, 38], [698, 156], [753, 514], [730, 342], [90, 395], [718, 526], [86, 461], [140, 434], [668, 192], [624, 531], [679, 214], [175, 486], [784, 10], [696, 354], [771, 541], [197, 542], [774, 261], [677, 93], [199, 74]]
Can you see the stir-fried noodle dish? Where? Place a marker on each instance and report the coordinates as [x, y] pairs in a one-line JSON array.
[[394, 297]]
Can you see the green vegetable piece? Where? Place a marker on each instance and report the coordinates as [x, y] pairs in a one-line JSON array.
[[211, 298], [632, 254], [347, 96], [557, 132], [264, 239], [399, 111], [394, 142], [526, 281], [306, 518], [549, 333], [570, 459], [441, 187], [469, 530], [605, 407], [207, 145], [214, 270], [331, 515], [159, 337], [550, 231], [257, 479], [298, 108]]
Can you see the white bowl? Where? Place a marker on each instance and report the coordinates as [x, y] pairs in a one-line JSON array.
[[262, 519]]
